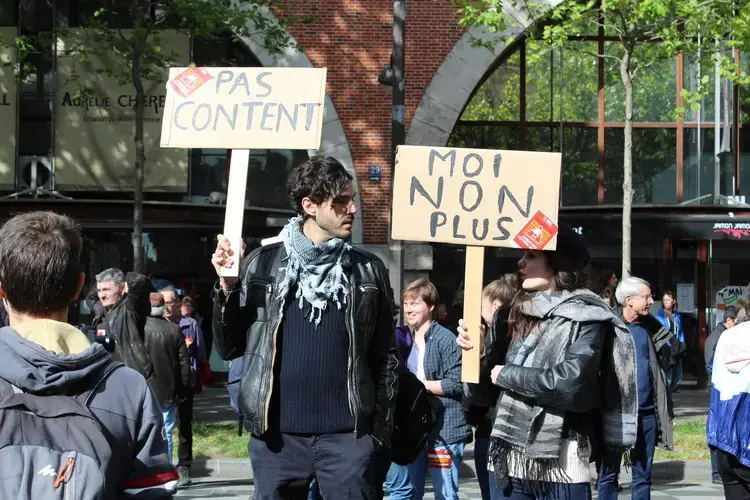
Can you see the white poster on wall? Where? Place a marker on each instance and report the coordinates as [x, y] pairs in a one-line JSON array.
[[686, 298]]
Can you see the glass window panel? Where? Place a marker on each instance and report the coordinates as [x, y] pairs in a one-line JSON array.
[[580, 164], [654, 165], [580, 82], [8, 13], [499, 97], [208, 173], [698, 165], [545, 139], [580, 167], [561, 83], [542, 82], [654, 87], [745, 163], [484, 137], [267, 176], [697, 70]]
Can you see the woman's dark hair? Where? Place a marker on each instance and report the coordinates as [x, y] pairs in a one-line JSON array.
[[318, 178], [568, 276]]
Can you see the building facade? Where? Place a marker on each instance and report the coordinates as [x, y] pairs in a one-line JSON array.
[[690, 220]]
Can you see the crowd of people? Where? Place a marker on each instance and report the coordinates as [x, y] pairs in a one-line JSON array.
[[340, 401]]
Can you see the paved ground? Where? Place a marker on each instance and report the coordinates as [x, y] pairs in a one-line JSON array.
[[228, 489], [213, 405]]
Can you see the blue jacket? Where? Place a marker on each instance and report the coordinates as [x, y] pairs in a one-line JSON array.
[[442, 361], [664, 320], [728, 426]]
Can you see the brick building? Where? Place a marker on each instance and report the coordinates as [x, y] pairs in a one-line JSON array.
[[690, 218]]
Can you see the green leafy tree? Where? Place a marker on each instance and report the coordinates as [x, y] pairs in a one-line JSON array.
[[128, 35], [645, 32]]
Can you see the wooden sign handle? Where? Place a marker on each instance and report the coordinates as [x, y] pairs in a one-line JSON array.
[[235, 210], [473, 284]]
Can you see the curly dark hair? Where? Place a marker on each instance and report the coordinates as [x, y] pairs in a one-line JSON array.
[[318, 178]]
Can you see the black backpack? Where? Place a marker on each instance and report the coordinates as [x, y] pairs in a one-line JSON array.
[[414, 420]]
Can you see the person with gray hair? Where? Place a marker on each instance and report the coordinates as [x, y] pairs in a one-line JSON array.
[[120, 305], [654, 400]]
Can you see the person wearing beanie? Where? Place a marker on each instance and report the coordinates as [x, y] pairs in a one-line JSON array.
[[164, 341], [560, 385]]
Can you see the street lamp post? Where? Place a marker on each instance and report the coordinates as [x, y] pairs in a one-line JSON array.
[[398, 133]]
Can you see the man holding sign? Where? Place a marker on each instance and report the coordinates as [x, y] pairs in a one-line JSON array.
[[314, 318]]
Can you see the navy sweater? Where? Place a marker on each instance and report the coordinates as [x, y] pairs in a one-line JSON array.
[[643, 370], [311, 372]]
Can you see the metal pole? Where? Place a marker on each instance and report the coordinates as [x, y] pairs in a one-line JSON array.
[[398, 133]]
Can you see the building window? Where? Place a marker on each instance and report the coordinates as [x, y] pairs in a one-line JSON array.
[[570, 99]]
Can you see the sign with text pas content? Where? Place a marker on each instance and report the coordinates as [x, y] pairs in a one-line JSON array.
[[244, 108], [476, 197]]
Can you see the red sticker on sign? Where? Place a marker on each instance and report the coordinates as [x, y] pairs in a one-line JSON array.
[[537, 232], [439, 459], [189, 81]]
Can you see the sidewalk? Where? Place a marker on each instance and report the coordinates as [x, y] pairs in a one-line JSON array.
[[212, 405]]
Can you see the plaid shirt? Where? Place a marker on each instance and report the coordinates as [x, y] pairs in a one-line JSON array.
[[442, 361]]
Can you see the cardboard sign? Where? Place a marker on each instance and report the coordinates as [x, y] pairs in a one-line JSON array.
[[244, 108], [476, 197]]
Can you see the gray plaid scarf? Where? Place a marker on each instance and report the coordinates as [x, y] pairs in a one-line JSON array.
[[317, 270], [535, 433]]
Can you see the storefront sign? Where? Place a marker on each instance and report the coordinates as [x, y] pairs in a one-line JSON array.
[[737, 230], [477, 198], [8, 108], [244, 108], [94, 146]]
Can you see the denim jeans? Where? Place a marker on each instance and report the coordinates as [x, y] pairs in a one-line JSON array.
[[641, 457], [674, 376], [519, 490], [398, 483], [314, 493], [443, 462], [169, 413]]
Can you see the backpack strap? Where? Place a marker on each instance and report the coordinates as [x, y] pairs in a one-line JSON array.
[[85, 397]]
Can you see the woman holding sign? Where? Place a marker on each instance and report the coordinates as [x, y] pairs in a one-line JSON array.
[[567, 385]]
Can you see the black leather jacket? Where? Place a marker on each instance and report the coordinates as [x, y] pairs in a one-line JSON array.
[[572, 386], [165, 342], [247, 320], [127, 319]]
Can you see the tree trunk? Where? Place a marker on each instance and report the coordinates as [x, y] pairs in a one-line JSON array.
[[140, 155], [627, 164]]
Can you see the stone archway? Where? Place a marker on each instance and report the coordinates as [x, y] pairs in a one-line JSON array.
[[455, 81], [333, 139]]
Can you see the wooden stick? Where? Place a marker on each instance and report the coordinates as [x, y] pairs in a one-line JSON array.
[[235, 210], [473, 284]]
